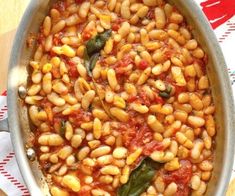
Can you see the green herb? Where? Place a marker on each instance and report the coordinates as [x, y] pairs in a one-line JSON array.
[[90, 62], [93, 48], [97, 43], [140, 178], [166, 93], [168, 89], [62, 128], [91, 56]]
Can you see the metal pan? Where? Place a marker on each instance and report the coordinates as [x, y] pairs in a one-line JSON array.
[[18, 122]]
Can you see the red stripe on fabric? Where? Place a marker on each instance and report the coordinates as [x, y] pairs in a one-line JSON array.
[[10, 156], [6, 160], [9, 177], [4, 93]]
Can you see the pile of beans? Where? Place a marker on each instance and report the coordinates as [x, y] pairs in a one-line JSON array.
[[149, 96]]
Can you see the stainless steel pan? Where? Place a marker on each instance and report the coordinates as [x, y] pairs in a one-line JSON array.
[[18, 122]]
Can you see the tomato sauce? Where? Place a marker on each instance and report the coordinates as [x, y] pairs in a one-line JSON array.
[[137, 134], [122, 64], [80, 116], [60, 6], [40, 37], [181, 177], [79, 1], [150, 14], [57, 39], [117, 24], [86, 35], [143, 65], [72, 68]]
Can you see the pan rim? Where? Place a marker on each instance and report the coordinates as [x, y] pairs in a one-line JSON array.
[[212, 44]]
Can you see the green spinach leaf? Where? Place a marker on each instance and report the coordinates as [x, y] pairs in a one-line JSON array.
[[140, 178]]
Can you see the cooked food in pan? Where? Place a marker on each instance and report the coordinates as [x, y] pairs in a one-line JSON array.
[[120, 101]]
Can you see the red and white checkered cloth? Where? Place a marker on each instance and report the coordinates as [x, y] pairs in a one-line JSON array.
[[221, 14]]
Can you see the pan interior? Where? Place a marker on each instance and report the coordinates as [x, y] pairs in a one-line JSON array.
[[218, 79]]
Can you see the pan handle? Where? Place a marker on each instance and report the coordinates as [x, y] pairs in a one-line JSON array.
[[4, 125]]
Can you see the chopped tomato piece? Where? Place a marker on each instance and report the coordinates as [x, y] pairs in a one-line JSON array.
[[162, 76], [57, 39], [79, 1], [152, 146], [86, 35], [132, 99], [144, 99], [126, 60], [138, 134], [159, 100], [45, 102], [179, 89], [150, 14], [73, 72], [60, 6], [80, 116], [120, 65], [115, 26], [143, 64]]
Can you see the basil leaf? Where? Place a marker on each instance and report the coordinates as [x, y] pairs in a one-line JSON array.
[[94, 58], [140, 178], [91, 56], [168, 89], [166, 93], [62, 128], [97, 43], [90, 61], [92, 50]]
